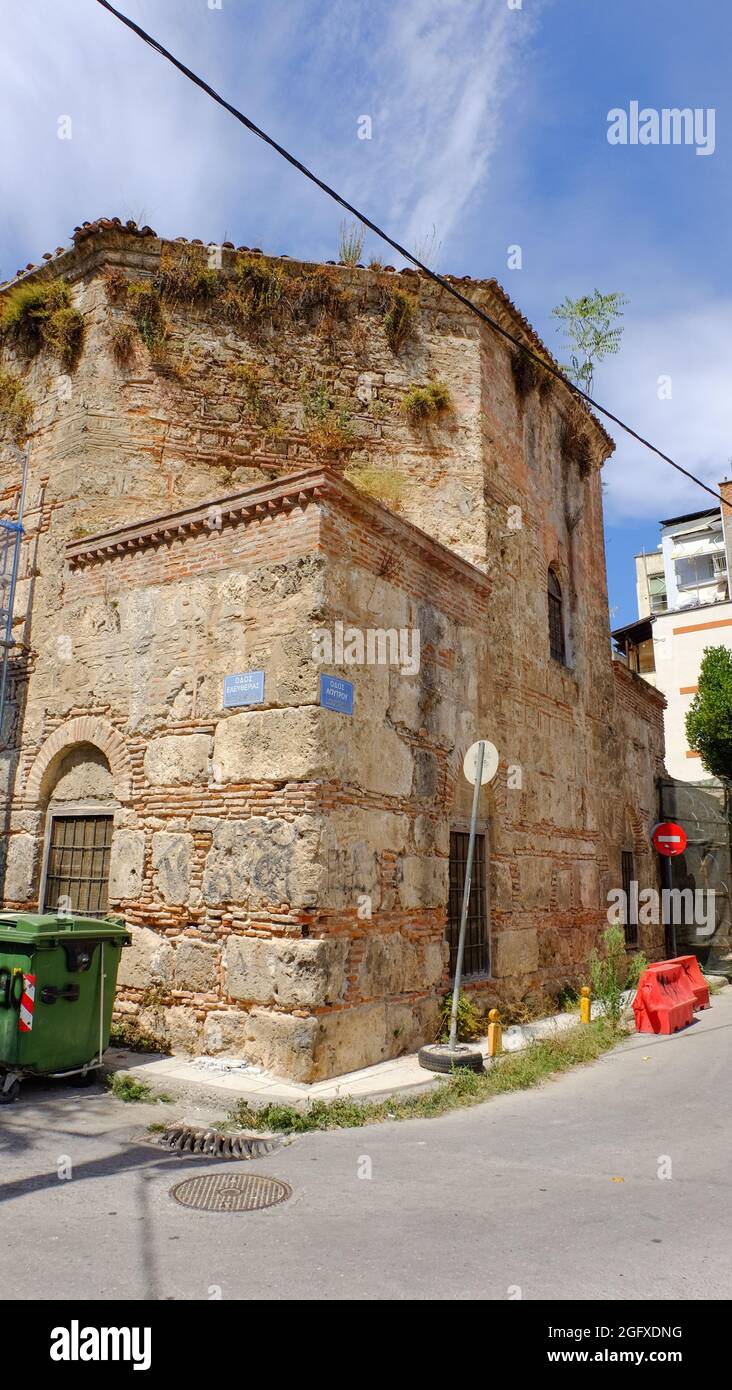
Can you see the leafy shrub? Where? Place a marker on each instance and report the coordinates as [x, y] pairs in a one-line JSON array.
[[40, 314], [709, 720], [612, 973], [469, 1019], [127, 1089], [421, 402]]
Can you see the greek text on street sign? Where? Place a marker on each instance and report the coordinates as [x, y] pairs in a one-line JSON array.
[[336, 694], [668, 838], [244, 688]]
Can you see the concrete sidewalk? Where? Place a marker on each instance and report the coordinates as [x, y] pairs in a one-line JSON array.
[[226, 1079]]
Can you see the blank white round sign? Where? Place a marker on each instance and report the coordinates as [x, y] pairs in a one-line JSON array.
[[490, 762]]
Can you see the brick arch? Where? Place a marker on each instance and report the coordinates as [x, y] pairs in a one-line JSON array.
[[85, 728]]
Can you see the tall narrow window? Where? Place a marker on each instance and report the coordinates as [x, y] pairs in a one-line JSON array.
[[556, 619], [476, 960], [78, 864], [631, 905]]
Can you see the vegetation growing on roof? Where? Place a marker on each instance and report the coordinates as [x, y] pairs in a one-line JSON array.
[[39, 314], [400, 318], [16, 409], [185, 275], [350, 246], [381, 484], [420, 403], [592, 330], [319, 289], [257, 292]]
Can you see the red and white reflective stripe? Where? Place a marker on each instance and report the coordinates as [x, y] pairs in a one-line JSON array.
[[27, 1004]]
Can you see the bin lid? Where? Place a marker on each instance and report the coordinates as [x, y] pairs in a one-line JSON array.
[[37, 928]]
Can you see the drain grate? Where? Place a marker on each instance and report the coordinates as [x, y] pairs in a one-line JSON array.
[[216, 1143], [231, 1192]]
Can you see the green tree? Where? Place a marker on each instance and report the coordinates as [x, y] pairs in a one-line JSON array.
[[709, 720], [591, 329]]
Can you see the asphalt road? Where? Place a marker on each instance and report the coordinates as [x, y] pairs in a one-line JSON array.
[[551, 1194]]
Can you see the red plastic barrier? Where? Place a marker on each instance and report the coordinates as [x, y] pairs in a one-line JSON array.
[[664, 1001], [699, 986]]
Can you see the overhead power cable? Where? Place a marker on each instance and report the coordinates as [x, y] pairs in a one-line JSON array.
[[402, 250]]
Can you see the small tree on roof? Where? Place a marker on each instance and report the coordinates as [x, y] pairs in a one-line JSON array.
[[590, 326]]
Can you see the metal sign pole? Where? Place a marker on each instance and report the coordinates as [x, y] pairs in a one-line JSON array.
[[466, 899]]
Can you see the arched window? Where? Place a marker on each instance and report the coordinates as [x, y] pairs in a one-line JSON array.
[[556, 619]]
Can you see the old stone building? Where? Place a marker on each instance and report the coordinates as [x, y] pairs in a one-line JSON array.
[[247, 466]]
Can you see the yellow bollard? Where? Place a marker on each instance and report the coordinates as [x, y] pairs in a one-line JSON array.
[[585, 1004], [495, 1033]]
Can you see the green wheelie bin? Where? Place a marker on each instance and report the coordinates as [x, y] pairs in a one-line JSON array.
[[57, 981]]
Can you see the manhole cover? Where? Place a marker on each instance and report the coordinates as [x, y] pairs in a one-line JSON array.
[[231, 1192]]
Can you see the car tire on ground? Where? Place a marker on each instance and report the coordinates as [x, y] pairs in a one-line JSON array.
[[437, 1057]]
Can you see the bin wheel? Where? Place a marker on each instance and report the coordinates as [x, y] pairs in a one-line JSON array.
[[83, 1078], [7, 1097]]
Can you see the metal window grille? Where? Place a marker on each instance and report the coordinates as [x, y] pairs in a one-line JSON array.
[[631, 918], [78, 864], [476, 959], [556, 623]]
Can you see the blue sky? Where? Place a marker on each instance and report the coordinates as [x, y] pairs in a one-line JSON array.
[[489, 123]]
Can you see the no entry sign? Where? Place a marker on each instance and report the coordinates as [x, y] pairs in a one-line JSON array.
[[668, 838]]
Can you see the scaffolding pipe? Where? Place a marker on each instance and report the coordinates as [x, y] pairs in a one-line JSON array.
[[16, 528]]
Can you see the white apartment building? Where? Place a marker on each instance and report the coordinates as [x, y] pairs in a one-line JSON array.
[[683, 606]]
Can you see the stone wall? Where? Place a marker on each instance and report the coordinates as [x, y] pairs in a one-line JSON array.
[[285, 867]]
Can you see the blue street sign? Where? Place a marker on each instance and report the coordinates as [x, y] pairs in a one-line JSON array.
[[336, 694], [245, 688]]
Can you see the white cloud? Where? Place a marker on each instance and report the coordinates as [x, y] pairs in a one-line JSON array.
[[434, 75], [690, 345], [441, 72]]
